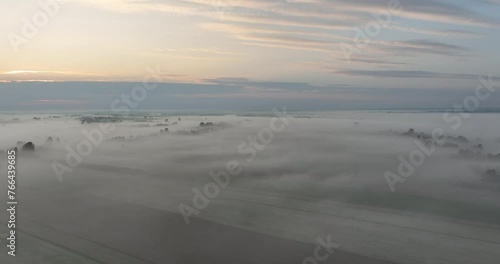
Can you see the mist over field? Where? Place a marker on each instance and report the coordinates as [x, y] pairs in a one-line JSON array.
[[249, 132], [271, 183]]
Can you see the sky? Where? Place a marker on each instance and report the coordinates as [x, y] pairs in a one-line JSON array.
[[313, 53]]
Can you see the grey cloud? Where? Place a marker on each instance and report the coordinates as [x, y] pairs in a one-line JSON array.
[[408, 74], [426, 46], [423, 10]]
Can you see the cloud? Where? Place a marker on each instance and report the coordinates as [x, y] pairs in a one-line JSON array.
[[449, 33], [424, 46], [286, 32], [305, 24], [408, 74], [35, 75], [424, 10]]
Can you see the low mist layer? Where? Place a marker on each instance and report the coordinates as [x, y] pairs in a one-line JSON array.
[[290, 176]]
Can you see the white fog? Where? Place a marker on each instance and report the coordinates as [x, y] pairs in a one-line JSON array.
[[131, 199]]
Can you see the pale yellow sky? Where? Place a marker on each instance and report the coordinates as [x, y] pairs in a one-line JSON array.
[[438, 43]]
